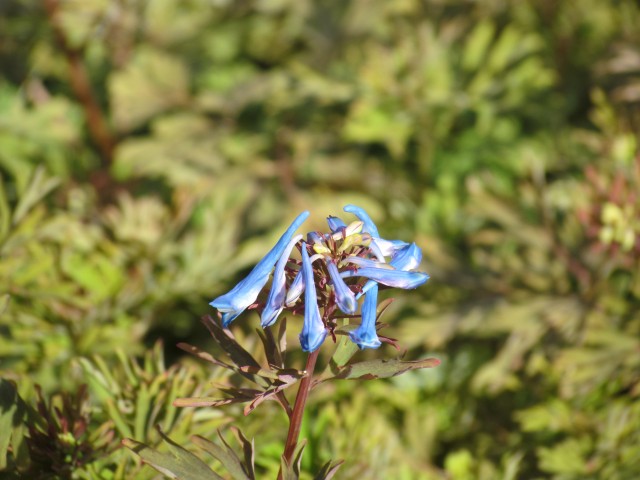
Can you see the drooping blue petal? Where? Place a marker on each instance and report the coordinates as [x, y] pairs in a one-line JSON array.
[[369, 226], [367, 262], [407, 258], [375, 249], [391, 278], [365, 336], [313, 330], [314, 237], [275, 302], [234, 302], [335, 223], [297, 286], [295, 290], [389, 247], [345, 298]]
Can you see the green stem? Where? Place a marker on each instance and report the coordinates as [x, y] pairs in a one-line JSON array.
[[298, 409]]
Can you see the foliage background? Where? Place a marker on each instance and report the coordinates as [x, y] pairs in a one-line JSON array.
[[150, 152]]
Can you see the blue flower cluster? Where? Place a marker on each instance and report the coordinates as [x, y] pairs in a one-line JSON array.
[[335, 270]]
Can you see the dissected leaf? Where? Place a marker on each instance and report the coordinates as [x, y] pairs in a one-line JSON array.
[[271, 347], [381, 368], [178, 463], [11, 414], [39, 187], [193, 350], [239, 355], [224, 454], [291, 470], [248, 450], [267, 395], [151, 83], [328, 470], [5, 211], [344, 351], [4, 303]]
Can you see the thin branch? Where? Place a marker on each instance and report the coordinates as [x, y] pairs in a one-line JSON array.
[[79, 79], [298, 409]]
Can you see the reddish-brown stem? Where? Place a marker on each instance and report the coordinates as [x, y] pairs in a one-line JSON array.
[[81, 86], [298, 409]]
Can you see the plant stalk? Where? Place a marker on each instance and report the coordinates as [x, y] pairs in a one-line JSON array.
[[298, 408]]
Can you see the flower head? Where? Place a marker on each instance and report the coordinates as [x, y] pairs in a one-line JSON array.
[[355, 261]]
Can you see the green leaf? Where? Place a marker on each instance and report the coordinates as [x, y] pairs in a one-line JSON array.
[[11, 415], [248, 450], [193, 350], [4, 303], [477, 44], [271, 346], [225, 455], [265, 396], [328, 470], [239, 355], [345, 350], [151, 83], [238, 395], [291, 471], [568, 457], [5, 212], [381, 368], [178, 463], [38, 188]]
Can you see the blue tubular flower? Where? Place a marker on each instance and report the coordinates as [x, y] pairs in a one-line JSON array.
[[357, 249], [275, 302], [365, 336], [345, 298], [369, 226], [335, 223], [408, 258], [313, 329], [389, 277], [234, 302]]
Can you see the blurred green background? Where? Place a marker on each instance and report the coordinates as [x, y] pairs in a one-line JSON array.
[[152, 151]]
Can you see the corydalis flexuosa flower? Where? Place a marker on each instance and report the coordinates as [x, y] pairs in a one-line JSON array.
[[335, 270]]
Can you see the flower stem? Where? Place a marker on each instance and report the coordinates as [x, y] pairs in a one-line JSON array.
[[298, 408]]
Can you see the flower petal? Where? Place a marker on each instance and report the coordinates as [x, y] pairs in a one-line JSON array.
[[391, 278], [335, 223], [345, 298], [365, 336], [314, 237], [407, 258], [234, 302], [369, 226], [295, 290], [297, 286], [275, 302], [367, 262], [313, 330], [389, 247]]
